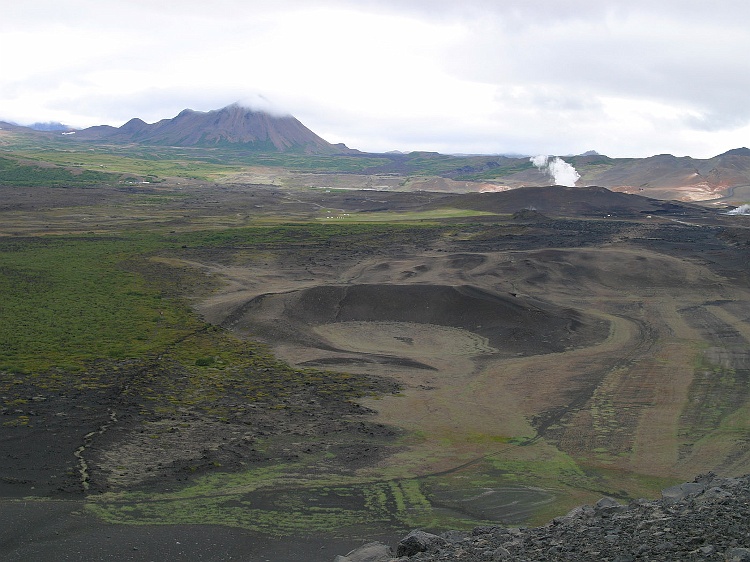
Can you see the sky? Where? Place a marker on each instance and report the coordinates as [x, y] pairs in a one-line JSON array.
[[627, 78]]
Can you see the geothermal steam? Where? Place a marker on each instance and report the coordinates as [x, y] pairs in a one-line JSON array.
[[557, 169], [741, 210]]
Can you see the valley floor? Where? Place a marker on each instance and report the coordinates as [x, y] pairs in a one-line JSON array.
[[426, 372]]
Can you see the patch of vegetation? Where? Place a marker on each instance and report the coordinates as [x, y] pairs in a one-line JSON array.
[[114, 167], [207, 163], [508, 168], [13, 172], [275, 502], [322, 236], [67, 301], [306, 163], [220, 371], [154, 163], [716, 392]]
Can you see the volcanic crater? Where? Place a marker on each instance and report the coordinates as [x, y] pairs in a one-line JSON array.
[[392, 324]]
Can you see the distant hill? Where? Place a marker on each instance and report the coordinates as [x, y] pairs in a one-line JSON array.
[[666, 176], [662, 176], [50, 126], [558, 200], [8, 126], [231, 125], [237, 128]]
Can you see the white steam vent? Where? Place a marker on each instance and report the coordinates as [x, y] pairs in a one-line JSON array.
[[557, 169], [741, 210]]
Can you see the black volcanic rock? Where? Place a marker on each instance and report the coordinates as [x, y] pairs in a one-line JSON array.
[[529, 215], [232, 125], [559, 200], [707, 519]]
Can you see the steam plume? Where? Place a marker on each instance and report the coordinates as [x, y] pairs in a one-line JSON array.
[[557, 169], [741, 210]]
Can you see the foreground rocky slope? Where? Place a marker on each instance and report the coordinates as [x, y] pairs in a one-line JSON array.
[[707, 519]]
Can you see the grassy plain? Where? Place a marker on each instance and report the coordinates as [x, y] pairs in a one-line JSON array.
[[69, 300], [47, 158]]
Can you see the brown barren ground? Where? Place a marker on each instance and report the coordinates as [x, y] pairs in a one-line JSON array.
[[547, 361], [598, 363]]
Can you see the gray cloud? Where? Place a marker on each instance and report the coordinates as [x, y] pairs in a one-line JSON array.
[[682, 53], [533, 76]]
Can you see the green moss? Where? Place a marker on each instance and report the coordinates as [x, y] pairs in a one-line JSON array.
[[25, 173], [299, 507], [68, 301]]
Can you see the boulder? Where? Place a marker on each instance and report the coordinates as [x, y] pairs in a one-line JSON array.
[[418, 541], [738, 555], [370, 552], [682, 492]]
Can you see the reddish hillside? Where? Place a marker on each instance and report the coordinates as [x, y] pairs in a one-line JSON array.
[[667, 176]]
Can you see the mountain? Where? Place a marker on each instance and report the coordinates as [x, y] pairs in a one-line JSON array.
[[665, 176], [231, 125], [662, 176], [50, 126], [8, 126]]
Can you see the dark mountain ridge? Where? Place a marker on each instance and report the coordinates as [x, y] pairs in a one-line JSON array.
[[231, 125], [575, 201]]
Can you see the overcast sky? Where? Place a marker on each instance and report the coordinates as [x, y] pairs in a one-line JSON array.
[[622, 77]]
